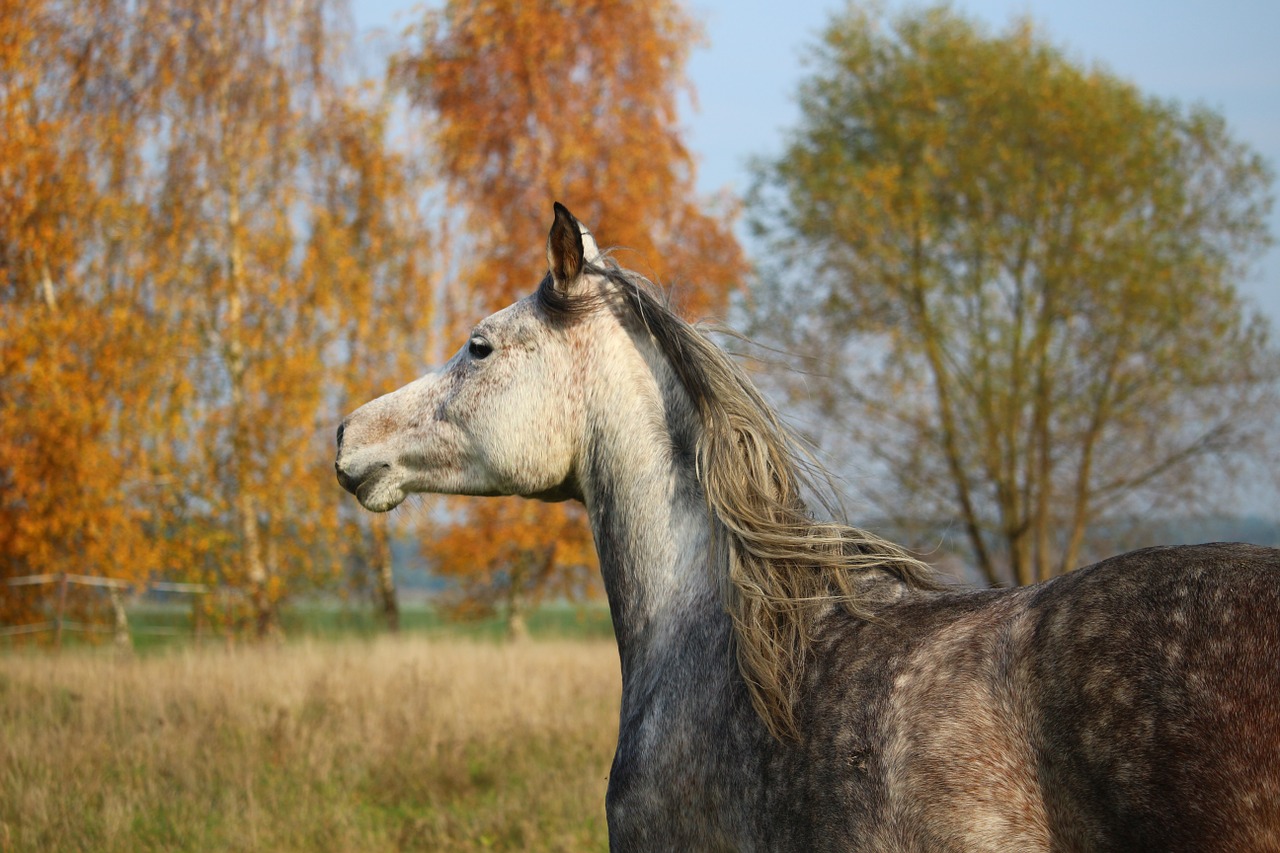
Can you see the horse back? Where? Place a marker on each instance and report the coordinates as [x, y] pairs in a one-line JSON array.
[[1131, 705], [1153, 681]]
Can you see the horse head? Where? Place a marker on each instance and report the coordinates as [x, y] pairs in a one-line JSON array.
[[504, 416]]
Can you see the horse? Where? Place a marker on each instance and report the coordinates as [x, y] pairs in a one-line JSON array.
[[794, 684]]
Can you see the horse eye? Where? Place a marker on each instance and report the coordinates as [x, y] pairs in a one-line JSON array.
[[479, 348]]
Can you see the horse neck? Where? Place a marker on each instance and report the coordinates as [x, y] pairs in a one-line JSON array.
[[648, 515]]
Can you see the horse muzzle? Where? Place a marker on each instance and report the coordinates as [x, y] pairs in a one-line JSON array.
[[370, 484]]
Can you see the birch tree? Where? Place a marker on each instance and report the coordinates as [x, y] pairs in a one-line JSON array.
[[575, 101], [209, 246]]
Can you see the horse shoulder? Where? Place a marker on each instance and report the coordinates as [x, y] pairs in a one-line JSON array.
[[951, 764]]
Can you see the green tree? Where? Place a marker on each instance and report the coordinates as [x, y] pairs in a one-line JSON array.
[[1017, 278]]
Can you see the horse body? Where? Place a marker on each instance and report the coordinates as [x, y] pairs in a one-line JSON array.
[[1069, 716], [1130, 705]]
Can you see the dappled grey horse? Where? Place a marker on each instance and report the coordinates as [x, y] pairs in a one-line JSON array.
[[793, 684]]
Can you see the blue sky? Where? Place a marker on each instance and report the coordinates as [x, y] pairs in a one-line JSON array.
[[1223, 54]]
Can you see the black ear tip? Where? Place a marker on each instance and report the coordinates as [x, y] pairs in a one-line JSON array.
[[564, 246]]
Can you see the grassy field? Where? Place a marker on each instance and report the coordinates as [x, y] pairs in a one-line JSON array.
[[424, 742]]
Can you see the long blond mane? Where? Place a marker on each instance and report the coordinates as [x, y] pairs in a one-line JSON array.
[[781, 570]]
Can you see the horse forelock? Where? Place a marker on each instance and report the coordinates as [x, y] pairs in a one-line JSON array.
[[780, 570]]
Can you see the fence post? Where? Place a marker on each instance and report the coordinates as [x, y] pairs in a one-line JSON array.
[[61, 612], [122, 639], [197, 616]]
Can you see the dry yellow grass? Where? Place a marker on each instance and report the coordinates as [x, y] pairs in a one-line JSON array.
[[406, 744]]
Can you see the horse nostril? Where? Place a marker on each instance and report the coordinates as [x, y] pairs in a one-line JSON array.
[[342, 427]]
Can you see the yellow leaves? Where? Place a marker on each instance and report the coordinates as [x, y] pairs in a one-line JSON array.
[[66, 452], [499, 548], [238, 253], [239, 207], [1039, 242]]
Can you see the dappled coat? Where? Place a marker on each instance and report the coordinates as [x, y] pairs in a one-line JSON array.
[[790, 684]]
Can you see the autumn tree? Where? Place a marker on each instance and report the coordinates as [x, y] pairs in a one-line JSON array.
[[1016, 278], [577, 101], [370, 251], [296, 236], [77, 348], [523, 565], [210, 246]]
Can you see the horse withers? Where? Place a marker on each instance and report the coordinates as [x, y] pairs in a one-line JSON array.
[[795, 684]]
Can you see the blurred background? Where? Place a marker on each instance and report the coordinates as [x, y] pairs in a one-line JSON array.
[[1009, 267], [1012, 267]]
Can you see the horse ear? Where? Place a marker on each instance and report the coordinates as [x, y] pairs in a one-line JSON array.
[[569, 247]]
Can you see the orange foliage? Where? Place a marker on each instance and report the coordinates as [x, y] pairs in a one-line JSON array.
[[205, 237], [210, 248], [575, 101], [529, 554], [73, 385]]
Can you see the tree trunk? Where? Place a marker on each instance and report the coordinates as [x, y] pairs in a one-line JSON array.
[[1019, 555], [124, 643], [383, 565], [950, 445], [517, 627], [254, 568], [1080, 510], [46, 289], [61, 613]]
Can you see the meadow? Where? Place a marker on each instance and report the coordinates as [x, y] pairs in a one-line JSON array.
[[426, 741]]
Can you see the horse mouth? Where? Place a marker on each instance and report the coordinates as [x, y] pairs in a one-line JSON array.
[[375, 489], [379, 494]]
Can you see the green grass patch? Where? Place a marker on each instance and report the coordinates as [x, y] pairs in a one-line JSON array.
[[160, 627]]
